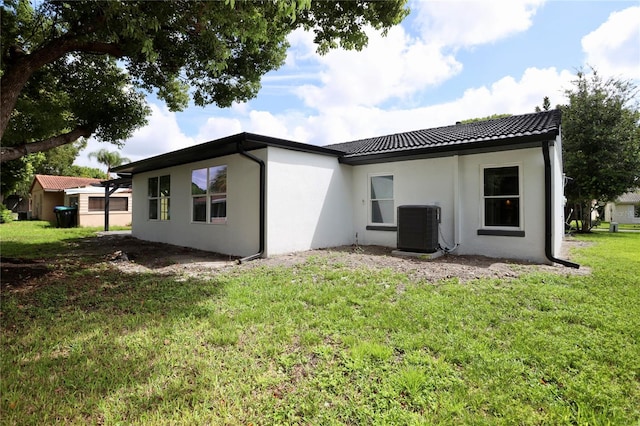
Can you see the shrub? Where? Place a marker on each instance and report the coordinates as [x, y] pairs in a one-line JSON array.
[[6, 215]]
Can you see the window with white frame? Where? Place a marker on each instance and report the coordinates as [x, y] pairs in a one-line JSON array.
[[209, 195], [501, 194], [159, 193], [381, 203], [636, 211], [116, 204]]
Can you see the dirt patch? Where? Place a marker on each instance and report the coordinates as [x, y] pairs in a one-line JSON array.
[[465, 268], [144, 256], [131, 255]]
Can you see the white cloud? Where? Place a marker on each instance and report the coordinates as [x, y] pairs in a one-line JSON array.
[[344, 123], [301, 48], [507, 95], [394, 66], [162, 134], [291, 125], [399, 66], [614, 47], [468, 23], [219, 127]]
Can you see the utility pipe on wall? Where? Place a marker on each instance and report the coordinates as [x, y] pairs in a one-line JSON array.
[[262, 207]]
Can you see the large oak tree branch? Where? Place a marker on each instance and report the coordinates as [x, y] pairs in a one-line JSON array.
[[21, 68], [8, 153]]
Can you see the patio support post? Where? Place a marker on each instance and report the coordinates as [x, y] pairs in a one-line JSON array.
[[106, 207]]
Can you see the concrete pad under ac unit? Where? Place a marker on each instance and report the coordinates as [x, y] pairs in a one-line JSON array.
[[422, 256]]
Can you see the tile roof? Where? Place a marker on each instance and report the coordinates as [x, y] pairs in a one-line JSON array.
[[60, 183], [513, 129], [519, 130]]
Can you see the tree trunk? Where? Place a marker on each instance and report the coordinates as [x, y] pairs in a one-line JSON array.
[[586, 217], [12, 83], [21, 67], [8, 153]]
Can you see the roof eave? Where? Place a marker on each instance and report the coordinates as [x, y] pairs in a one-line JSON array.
[[218, 148]]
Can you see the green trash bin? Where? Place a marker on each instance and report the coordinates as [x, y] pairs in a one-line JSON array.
[[66, 216]]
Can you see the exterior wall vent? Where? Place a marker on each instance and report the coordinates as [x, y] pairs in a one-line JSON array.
[[418, 228]]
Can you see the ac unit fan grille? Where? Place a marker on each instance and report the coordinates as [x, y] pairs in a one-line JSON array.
[[418, 228]]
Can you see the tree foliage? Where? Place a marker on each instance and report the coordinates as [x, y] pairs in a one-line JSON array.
[[601, 140], [17, 175], [546, 105], [489, 117], [110, 159], [61, 81]]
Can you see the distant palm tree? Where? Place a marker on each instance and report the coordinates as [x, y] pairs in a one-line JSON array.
[[110, 159]]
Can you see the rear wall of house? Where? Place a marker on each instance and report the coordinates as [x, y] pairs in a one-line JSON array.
[[237, 236], [532, 213], [415, 182], [308, 202], [455, 184]]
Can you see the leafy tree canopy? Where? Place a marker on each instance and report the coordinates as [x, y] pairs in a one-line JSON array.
[[61, 81], [601, 139]]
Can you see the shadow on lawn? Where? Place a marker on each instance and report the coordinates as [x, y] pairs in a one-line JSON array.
[[22, 262], [86, 335]]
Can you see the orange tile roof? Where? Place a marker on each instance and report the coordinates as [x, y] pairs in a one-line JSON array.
[[60, 183]]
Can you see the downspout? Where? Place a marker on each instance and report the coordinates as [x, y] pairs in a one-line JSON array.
[[263, 190], [457, 207], [547, 210]]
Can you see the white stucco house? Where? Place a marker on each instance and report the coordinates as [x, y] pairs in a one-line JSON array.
[[626, 209], [492, 188]]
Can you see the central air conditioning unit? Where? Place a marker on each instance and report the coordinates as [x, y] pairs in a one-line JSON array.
[[418, 228]]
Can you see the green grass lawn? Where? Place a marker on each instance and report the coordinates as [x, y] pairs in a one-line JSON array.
[[604, 226], [40, 239], [314, 344]]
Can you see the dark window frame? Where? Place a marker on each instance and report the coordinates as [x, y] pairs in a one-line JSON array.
[[502, 201], [210, 195], [159, 198]]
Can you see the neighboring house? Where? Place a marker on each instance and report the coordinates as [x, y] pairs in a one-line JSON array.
[[626, 209], [497, 185], [47, 192], [91, 204]]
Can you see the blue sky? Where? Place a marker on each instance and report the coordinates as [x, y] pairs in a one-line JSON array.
[[448, 61]]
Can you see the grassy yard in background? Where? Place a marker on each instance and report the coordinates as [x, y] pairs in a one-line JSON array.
[[604, 226], [40, 239], [319, 344]]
